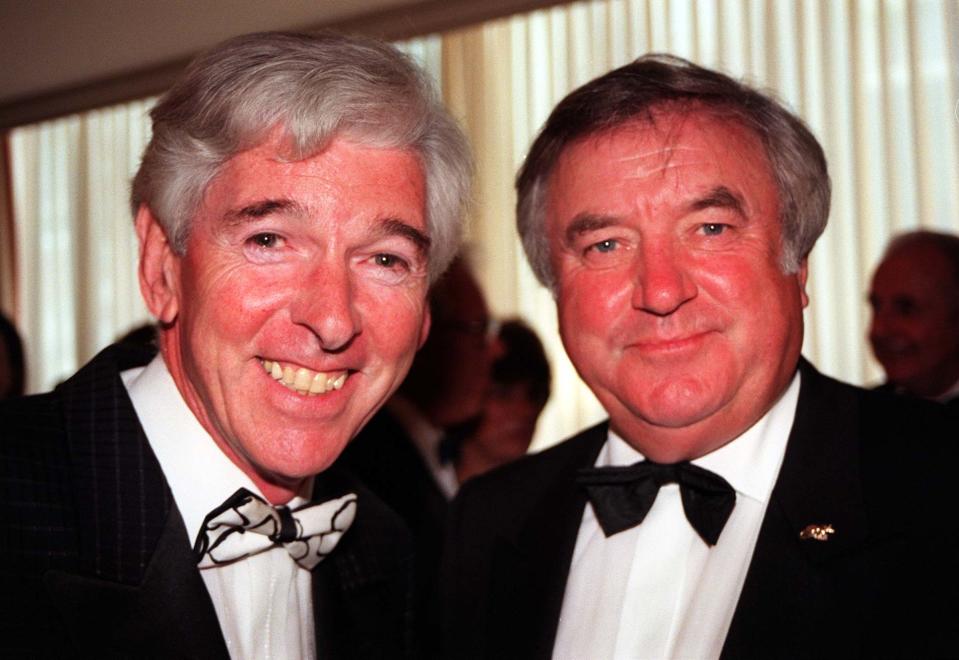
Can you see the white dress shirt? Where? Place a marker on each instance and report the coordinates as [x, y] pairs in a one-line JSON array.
[[263, 603], [950, 394], [658, 590]]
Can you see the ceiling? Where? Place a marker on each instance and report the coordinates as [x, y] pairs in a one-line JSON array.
[[49, 45]]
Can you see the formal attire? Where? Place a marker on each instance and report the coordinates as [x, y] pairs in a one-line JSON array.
[[96, 559], [872, 468], [396, 456], [949, 398]]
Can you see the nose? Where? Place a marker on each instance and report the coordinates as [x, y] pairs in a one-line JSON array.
[[326, 305], [663, 282]]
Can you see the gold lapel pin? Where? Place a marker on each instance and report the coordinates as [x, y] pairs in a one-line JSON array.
[[817, 532]]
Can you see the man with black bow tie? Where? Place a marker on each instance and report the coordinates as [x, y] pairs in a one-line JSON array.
[[737, 503], [297, 197]]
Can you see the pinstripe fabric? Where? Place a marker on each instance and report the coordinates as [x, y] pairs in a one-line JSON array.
[[94, 557], [121, 493], [56, 451]]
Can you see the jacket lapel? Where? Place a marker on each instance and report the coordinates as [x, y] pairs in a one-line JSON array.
[[169, 613], [363, 592], [818, 484], [137, 584], [529, 571]]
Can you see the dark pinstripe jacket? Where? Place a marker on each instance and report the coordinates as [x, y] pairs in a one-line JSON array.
[[95, 559]]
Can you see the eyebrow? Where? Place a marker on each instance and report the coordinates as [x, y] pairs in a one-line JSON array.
[[262, 208], [719, 197], [586, 222], [389, 226], [397, 227]]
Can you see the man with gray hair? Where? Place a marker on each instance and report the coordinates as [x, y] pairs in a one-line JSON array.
[[298, 196], [914, 331], [736, 503]]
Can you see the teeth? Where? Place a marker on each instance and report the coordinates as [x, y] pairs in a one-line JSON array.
[[302, 380], [318, 384]]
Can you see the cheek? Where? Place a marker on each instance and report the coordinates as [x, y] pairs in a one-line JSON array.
[[393, 317], [593, 301], [730, 281], [232, 302], [938, 333]]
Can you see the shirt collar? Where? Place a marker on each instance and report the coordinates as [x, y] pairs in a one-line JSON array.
[[950, 394], [199, 474], [750, 462]]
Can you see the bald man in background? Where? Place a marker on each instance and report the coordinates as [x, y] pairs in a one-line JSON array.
[[914, 332]]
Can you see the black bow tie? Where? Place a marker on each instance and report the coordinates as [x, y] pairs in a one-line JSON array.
[[622, 496]]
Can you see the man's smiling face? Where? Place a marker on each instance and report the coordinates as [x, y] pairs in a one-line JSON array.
[[298, 305], [673, 305]]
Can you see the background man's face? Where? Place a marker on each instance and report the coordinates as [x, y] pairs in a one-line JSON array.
[[915, 320], [672, 302], [452, 371], [298, 269]]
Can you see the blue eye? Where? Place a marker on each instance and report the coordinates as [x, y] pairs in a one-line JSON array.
[[714, 228], [606, 246]]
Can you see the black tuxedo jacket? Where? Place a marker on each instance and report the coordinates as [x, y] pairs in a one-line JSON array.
[[387, 461], [951, 405], [884, 585], [95, 559], [384, 457]]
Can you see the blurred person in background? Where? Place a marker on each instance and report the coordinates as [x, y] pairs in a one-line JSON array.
[[12, 364], [914, 298], [518, 392], [398, 454]]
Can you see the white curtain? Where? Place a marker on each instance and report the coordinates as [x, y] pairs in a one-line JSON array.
[[877, 80], [76, 248]]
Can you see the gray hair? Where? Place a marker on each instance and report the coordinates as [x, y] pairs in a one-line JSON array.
[[316, 88], [632, 93]]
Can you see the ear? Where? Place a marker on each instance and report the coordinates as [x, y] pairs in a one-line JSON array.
[[801, 274], [425, 329], [159, 270]]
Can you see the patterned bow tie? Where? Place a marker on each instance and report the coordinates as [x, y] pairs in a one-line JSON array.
[[246, 525], [622, 496]]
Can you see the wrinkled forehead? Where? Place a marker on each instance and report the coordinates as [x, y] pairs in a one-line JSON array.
[[668, 148], [678, 135]]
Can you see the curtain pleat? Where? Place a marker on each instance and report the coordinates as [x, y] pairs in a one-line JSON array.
[[76, 249], [8, 237], [877, 81]]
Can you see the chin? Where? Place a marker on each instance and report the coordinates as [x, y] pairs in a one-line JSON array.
[[301, 458], [679, 403]]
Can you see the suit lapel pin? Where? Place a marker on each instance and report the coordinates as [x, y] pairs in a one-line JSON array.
[[816, 532]]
